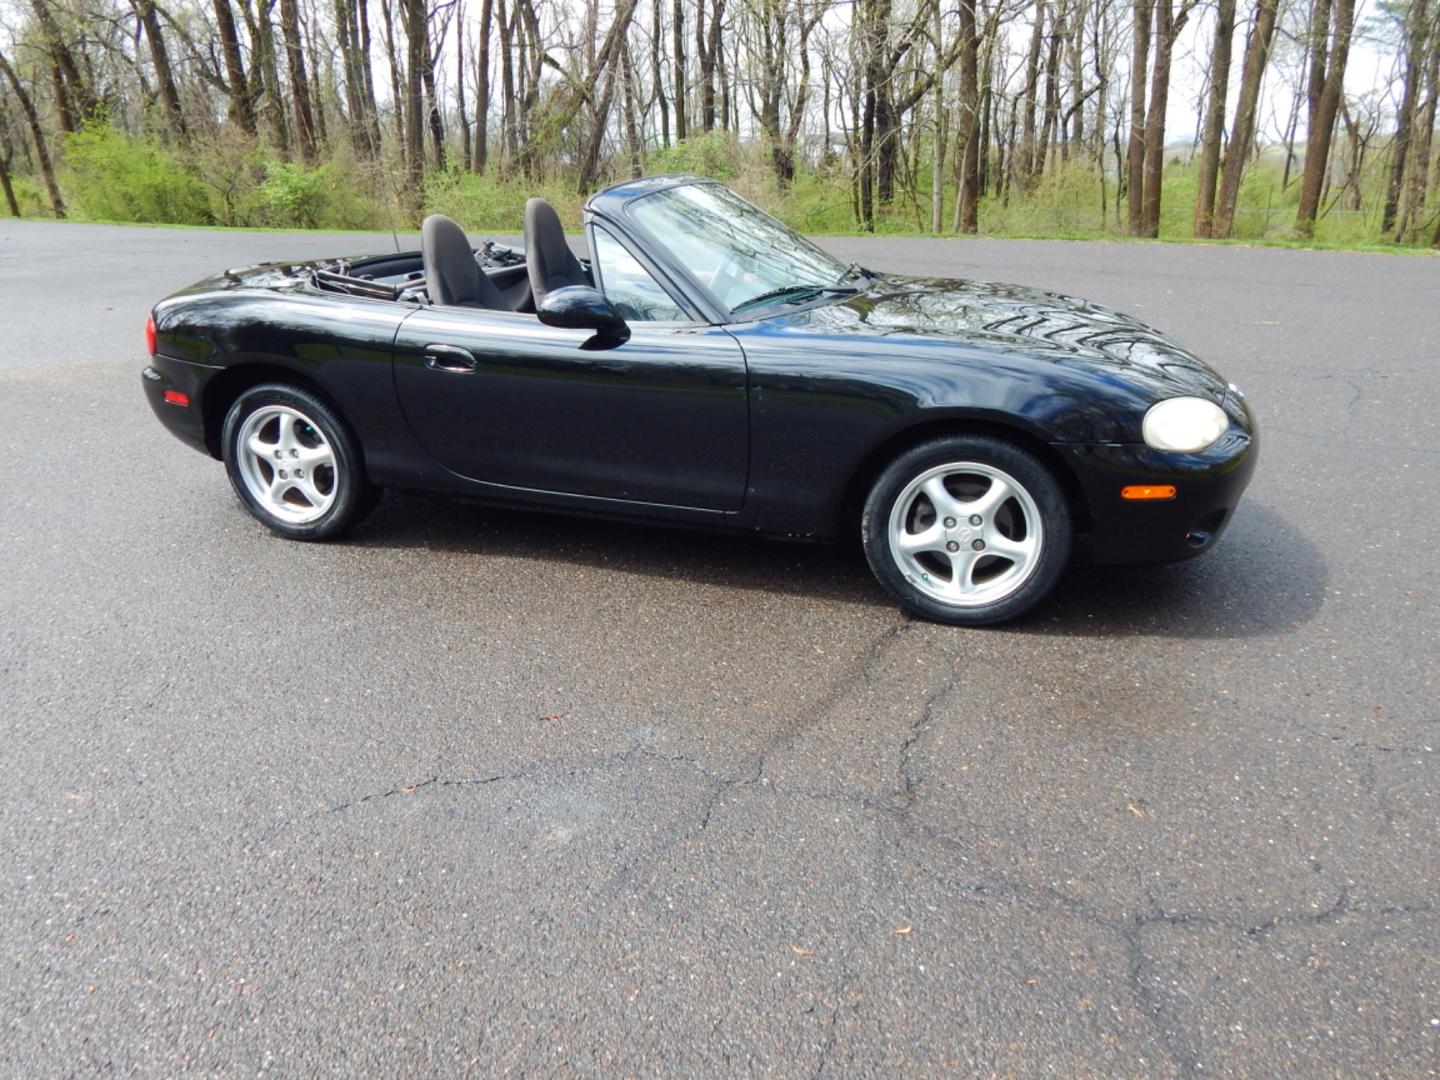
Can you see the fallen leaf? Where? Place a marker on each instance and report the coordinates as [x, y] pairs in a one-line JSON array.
[[1032, 982], [799, 950], [1133, 809], [552, 717], [901, 931]]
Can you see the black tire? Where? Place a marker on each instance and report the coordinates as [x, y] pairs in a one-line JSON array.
[[1002, 587], [345, 494]]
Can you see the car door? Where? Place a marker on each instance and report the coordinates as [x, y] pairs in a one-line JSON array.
[[502, 399]]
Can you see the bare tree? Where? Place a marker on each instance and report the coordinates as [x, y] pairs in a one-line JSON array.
[[1329, 53], [37, 135], [1242, 134], [1214, 132]]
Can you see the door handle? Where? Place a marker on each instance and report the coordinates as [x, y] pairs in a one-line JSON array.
[[450, 358]]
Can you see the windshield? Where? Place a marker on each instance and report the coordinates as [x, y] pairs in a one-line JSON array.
[[737, 249]]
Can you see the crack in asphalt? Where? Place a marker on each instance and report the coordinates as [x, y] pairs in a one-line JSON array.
[[832, 1034], [1129, 930], [909, 784]]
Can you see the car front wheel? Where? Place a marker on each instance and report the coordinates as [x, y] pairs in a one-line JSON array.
[[294, 463], [967, 529]]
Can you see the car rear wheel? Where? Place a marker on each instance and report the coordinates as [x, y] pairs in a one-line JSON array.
[[967, 529], [294, 464]]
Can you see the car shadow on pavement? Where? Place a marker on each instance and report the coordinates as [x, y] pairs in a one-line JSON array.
[[1263, 578], [691, 556]]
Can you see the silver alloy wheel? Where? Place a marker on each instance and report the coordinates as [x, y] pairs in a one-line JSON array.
[[966, 534], [287, 464]]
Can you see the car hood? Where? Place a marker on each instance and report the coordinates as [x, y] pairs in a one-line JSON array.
[[1012, 318]]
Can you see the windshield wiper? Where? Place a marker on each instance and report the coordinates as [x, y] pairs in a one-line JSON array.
[[794, 293]]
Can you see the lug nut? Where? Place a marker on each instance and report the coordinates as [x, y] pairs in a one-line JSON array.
[[952, 546], [949, 523], [283, 475], [978, 545], [976, 519], [294, 453], [279, 454], [299, 474]]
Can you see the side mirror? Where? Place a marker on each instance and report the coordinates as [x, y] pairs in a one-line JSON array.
[[578, 307]]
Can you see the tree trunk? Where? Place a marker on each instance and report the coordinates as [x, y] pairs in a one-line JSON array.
[[72, 93], [42, 153], [1032, 84], [1330, 74], [345, 35], [1237, 153], [632, 123], [967, 195], [299, 83], [7, 155], [461, 119], [1168, 25], [397, 95], [590, 159], [1135, 155], [416, 47], [677, 30], [482, 88], [432, 102], [160, 59], [1076, 48], [564, 112], [242, 106], [865, 167], [1214, 132], [707, 44], [1407, 229], [367, 77], [318, 85], [1416, 32], [1052, 97], [262, 33], [937, 149], [657, 33]]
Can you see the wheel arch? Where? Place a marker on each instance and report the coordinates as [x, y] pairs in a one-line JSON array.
[[227, 385], [935, 427]]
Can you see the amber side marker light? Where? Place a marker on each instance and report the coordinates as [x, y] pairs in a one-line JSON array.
[[1147, 492]]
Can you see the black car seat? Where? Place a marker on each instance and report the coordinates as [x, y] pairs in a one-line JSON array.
[[452, 276], [548, 257]]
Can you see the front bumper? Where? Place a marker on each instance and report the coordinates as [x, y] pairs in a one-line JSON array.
[[1207, 485], [185, 422]]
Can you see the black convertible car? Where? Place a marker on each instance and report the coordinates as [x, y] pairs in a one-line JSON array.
[[707, 366]]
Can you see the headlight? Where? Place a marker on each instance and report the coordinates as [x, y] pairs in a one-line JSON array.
[[1184, 424]]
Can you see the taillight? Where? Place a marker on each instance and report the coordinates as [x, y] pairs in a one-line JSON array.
[[178, 397], [150, 335]]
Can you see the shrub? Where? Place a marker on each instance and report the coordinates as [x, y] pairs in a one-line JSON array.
[[713, 153], [489, 204], [118, 177], [296, 196], [33, 200]]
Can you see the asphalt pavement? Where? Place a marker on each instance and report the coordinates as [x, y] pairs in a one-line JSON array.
[[478, 790]]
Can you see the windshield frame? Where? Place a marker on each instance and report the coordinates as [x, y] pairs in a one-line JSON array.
[[703, 296]]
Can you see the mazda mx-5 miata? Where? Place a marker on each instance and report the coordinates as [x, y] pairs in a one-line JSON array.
[[707, 366]]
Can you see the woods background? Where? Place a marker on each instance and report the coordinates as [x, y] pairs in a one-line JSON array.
[[1028, 117]]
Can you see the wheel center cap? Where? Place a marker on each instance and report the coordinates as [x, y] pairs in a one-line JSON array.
[[963, 533]]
